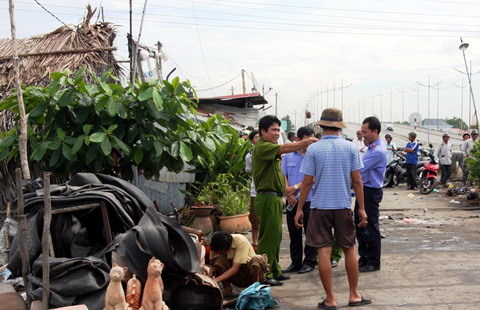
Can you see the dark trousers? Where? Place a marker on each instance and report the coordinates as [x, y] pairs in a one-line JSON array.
[[411, 175], [296, 239], [369, 237], [446, 171]]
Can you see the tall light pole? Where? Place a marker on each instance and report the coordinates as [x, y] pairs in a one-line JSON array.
[[463, 47], [461, 109], [428, 105]]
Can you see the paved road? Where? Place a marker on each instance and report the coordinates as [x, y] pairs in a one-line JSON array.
[[400, 135], [430, 262]]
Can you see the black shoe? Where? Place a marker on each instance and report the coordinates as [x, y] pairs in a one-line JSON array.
[[334, 263], [272, 282], [369, 268], [282, 277], [291, 268], [305, 269], [362, 262]]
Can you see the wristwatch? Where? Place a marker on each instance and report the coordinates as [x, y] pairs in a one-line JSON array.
[[295, 187]]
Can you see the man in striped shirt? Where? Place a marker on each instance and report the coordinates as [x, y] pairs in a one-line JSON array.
[[334, 164]]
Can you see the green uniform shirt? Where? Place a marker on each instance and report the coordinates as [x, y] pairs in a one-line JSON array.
[[266, 170]]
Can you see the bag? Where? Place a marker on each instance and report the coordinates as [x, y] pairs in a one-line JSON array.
[[255, 297]]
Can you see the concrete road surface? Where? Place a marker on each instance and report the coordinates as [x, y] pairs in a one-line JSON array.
[[430, 258]]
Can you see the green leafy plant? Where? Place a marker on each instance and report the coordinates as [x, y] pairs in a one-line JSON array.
[[473, 163], [84, 122], [235, 202]]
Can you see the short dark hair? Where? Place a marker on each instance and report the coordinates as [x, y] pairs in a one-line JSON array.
[[330, 128], [290, 134], [373, 123], [304, 131], [221, 241], [252, 134], [267, 121]]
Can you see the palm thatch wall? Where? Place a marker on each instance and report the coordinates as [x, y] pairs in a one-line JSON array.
[[88, 45]]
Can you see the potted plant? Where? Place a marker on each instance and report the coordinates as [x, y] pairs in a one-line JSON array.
[[234, 206]]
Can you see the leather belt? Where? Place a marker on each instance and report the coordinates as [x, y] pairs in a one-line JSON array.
[[270, 193]]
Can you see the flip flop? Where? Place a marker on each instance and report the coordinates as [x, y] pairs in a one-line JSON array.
[[322, 305], [364, 301]]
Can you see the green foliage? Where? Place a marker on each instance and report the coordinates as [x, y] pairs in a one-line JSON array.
[[290, 126], [473, 163], [101, 126], [457, 122], [223, 152], [235, 202], [231, 195]]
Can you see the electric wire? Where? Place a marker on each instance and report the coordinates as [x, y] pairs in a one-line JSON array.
[[201, 47], [51, 13]]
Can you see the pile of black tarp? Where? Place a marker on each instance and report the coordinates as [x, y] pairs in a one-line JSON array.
[[79, 271]]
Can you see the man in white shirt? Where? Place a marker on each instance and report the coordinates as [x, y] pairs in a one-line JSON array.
[[444, 153], [391, 147], [360, 143]]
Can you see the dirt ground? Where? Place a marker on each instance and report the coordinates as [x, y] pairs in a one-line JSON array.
[[430, 258]]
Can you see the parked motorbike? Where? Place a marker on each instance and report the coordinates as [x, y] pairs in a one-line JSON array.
[[396, 171], [428, 178]]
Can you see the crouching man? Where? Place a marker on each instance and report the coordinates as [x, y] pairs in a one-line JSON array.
[[234, 261]]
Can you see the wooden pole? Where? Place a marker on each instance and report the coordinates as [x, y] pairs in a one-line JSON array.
[[47, 218], [22, 141], [76, 51], [22, 231]]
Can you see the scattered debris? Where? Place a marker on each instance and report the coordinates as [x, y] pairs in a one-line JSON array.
[[454, 201]]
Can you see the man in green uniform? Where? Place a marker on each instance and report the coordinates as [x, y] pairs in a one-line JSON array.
[[270, 184]]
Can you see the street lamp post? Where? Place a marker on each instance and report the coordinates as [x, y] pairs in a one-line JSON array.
[[463, 46]]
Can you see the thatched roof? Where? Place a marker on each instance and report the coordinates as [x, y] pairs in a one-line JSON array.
[[70, 48], [65, 48]]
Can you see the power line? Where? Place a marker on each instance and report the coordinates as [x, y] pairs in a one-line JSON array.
[[220, 84], [200, 43], [50, 13]]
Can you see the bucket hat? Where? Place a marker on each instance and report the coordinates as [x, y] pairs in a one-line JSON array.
[[332, 117], [413, 134], [445, 135]]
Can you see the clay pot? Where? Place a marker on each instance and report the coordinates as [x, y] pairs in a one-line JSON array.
[[235, 223], [202, 220]]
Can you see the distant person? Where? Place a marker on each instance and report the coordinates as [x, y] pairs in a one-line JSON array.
[[253, 137], [291, 137], [411, 160], [291, 164], [244, 135], [270, 185], [360, 143], [373, 171], [234, 261], [465, 137], [467, 148], [334, 164], [391, 148], [444, 153]]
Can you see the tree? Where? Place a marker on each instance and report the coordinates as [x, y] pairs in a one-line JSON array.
[[290, 126], [457, 123], [84, 122]]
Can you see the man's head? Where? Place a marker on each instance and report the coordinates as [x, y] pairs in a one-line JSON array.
[[445, 137], [291, 136], [332, 120], [359, 135], [221, 241], [269, 127], [304, 132], [253, 136], [466, 136], [412, 136], [388, 137], [474, 134], [371, 129]]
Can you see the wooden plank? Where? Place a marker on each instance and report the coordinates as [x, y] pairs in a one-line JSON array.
[[82, 50]]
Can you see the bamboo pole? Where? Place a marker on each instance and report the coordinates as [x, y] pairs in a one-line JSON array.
[[76, 51], [22, 230], [47, 218], [22, 141]]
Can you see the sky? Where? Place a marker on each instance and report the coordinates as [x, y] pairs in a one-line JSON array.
[[387, 58]]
